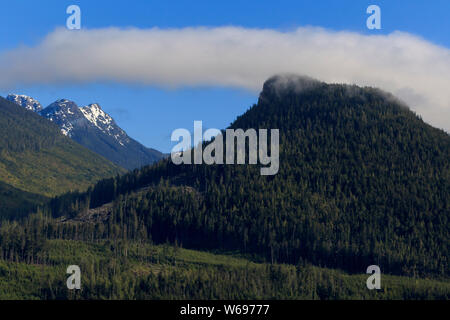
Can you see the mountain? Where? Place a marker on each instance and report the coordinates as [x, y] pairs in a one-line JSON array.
[[25, 101], [66, 115], [362, 181], [37, 161], [93, 128]]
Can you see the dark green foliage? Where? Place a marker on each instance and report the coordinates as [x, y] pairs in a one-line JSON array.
[[22, 130], [15, 203], [362, 181], [135, 270]]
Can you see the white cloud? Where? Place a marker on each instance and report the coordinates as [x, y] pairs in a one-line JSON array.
[[415, 70]]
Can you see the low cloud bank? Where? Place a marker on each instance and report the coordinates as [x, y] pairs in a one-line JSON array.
[[413, 69]]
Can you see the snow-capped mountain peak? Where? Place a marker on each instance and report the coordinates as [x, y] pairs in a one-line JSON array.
[[97, 116], [25, 101], [93, 128], [103, 121], [65, 113]]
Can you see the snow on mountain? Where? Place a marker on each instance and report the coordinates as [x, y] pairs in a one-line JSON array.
[[93, 128], [103, 121], [69, 116], [66, 114], [25, 101]]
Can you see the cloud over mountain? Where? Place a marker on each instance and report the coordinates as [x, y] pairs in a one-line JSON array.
[[412, 68]]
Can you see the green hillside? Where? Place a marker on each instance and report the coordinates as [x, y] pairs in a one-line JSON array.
[[132, 270], [15, 202], [36, 158], [362, 181]]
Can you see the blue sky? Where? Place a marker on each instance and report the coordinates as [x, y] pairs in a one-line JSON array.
[[149, 113]]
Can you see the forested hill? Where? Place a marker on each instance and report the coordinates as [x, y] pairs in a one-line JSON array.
[[35, 157], [362, 181]]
